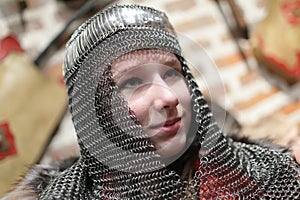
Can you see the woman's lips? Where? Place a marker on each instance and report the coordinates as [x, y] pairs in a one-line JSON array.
[[169, 127]]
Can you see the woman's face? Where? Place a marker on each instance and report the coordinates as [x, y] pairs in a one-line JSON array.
[[152, 83]]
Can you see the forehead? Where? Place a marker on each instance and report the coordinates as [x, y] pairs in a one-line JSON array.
[[137, 58]]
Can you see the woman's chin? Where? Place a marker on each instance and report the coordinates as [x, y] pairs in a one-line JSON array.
[[173, 149]]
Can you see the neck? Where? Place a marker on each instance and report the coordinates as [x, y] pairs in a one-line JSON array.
[[184, 166]]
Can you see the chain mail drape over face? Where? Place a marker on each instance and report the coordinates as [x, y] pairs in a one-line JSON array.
[[117, 160]]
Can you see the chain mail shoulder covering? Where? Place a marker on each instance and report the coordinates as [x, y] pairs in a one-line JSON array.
[[118, 161]]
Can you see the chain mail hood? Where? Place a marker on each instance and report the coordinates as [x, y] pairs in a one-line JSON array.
[[117, 160]]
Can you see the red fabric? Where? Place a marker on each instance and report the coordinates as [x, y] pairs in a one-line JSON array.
[[10, 139], [8, 44], [223, 181], [291, 10], [292, 70]]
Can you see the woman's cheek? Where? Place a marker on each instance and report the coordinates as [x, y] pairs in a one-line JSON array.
[[139, 110], [183, 95]]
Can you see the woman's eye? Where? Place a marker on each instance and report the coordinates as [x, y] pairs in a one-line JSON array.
[[171, 73], [131, 83]]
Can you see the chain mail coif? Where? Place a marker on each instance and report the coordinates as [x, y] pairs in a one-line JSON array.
[[118, 161]]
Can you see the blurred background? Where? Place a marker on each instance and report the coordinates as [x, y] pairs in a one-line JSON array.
[[245, 55]]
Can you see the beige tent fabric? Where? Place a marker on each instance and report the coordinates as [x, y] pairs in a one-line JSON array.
[[276, 50], [32, 105]]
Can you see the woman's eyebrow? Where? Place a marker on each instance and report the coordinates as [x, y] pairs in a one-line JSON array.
[[170, 62], [117, 74], [173, 62]]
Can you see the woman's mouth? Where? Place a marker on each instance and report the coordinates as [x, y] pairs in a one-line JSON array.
[[171, 126]]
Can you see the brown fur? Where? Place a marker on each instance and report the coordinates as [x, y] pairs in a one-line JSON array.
[[36, 180]]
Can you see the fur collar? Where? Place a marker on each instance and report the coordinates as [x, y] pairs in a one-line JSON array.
[[37, 179]]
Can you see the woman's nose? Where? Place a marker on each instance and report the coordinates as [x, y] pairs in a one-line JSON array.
[[164, 97]]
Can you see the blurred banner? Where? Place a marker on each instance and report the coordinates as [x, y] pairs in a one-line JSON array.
[[276, 40], [31, 107]]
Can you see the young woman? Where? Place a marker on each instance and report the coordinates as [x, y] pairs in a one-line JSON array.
[[151, 82], [144, 128]]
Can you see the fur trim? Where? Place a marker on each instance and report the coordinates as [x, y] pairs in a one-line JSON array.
[[37, 179]]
